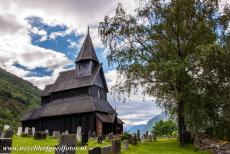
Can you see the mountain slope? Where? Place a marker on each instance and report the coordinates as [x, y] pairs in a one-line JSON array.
[[148, 127], [16, 96]]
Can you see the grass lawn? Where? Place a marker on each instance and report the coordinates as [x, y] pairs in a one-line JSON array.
[[162, 146]]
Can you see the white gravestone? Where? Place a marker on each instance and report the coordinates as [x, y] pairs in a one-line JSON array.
[[33, 131], [27, 130], [47, 132], [19, 133], [79, 137]]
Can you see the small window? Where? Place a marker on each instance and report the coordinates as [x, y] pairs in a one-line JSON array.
[[83, 66], [98, 94]]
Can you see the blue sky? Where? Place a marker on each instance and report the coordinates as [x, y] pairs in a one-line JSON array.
[[39, 39]]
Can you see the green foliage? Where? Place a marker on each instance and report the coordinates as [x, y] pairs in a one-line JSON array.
[[178, 52], [164, 128], [125, 136], [16, 96]]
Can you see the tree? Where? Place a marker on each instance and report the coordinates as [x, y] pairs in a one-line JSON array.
[[157, 49], [164, 128]]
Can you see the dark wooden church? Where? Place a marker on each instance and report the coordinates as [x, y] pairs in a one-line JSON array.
[[78, 97]]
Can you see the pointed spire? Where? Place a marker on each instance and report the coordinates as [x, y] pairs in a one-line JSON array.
[[87, 51]]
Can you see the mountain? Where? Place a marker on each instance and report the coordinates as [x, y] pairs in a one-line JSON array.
[[147, 127], [16, 96]]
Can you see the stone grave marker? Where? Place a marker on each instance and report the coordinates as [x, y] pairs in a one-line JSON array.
[[6, 127], [84, 138], [19, 132], [68, 141], [39, 135], [2, 134], [99, 139], [150, 138], [126, 144], [33, 131], [106, 150], [116, 146], [9, 133], [5, 142], [56, 134], [94, 134], [47, 132], [138, 135], [133, 139], [142, 139], [79, 136], [27, 130], [30, 131], [96, 150]]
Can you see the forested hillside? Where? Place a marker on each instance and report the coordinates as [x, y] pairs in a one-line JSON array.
[[16, 96]]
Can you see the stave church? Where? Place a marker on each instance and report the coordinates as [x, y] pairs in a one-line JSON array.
[[78, 97]]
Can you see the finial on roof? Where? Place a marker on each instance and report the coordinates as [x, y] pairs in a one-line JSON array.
[[88, 29]]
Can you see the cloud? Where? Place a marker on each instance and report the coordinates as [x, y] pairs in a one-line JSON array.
[[137, 109]]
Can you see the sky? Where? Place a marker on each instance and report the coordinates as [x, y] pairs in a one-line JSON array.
[[40, 38]]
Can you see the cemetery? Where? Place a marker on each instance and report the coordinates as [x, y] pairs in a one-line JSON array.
[[110, 144]]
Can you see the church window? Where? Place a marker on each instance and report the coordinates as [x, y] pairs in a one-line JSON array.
[[83, 66], [98, 94]]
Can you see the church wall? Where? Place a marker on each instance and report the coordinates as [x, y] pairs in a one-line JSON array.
[[69, 93], [62, 123]]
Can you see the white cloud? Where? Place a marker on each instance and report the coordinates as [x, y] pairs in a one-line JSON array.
[[127, 111]]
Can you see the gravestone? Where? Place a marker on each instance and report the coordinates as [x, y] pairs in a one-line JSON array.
[[68, 139], [138, 135], [134, 140], [110, 136], [6, 143], [56, 134], [116, 146], [30, 131], [94, 134], [39, 135], [150, 138], [9, 133], [2, 134], [147, 133], [142, 139], [96, 150], [47, 132], [99, 139], [69, 142], [6, 127], [33, 131], [187, 137], [19, 132], [84, 138], [106, 150], [154, 137], [79, 137], [126, 144], [27, 130], [65, 132]]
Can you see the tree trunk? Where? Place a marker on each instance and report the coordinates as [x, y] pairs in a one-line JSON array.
[[181, 121]]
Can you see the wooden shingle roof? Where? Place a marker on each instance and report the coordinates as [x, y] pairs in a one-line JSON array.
[[68, 106], [87, 51]]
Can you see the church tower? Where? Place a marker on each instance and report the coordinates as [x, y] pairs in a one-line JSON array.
[[87, 58]]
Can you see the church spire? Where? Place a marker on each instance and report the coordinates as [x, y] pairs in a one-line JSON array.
[[87, 51]]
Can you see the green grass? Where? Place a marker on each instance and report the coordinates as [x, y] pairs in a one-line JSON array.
[[162, 146]]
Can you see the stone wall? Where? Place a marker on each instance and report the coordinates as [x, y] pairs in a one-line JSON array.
[[205, 142]]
